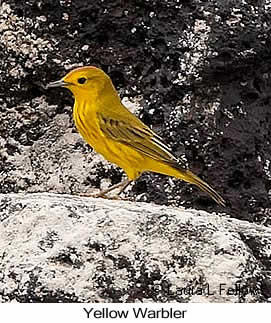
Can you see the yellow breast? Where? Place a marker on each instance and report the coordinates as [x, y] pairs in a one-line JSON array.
[[120, 154]]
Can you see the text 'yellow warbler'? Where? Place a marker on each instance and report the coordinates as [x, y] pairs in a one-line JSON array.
[[117, 134]]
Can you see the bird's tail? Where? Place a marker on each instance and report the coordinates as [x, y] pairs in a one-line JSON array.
[[187, 176]]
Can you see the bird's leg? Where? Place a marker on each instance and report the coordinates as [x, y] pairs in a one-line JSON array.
[[125, 184], [122, 185]]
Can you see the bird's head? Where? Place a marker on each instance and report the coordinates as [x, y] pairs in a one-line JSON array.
[[87, 80]]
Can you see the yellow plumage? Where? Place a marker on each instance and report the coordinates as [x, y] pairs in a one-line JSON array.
[[117, 134]]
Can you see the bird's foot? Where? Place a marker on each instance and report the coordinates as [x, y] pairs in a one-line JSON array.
[[103, 193], [104, 196], [98, 194]]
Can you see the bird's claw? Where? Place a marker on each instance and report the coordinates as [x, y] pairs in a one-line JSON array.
[[104, 196]]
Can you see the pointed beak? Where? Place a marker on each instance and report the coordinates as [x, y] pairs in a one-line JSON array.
[[59, 83]]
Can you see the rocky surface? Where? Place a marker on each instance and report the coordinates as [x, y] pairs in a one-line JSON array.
[[197, 72], [61, 248]]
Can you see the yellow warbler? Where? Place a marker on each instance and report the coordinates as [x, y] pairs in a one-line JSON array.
[[117, 134]]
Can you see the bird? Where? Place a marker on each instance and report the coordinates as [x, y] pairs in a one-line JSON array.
[[118, 135]]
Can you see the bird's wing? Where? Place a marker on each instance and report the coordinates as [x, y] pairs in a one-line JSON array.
[[134, 133]]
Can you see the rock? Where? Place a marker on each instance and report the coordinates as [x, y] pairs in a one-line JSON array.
[[202, 82], [64, 248]]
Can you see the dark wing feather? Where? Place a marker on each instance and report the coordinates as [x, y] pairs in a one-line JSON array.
[[137, 135]]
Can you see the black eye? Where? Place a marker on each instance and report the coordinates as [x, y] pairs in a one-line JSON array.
[[81, 80]]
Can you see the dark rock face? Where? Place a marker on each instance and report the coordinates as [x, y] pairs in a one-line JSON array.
[[200, 70]]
